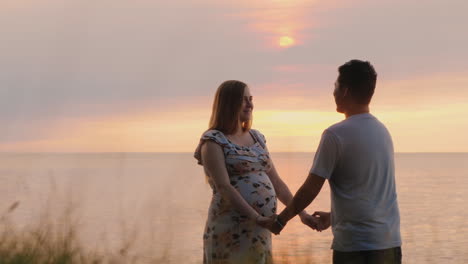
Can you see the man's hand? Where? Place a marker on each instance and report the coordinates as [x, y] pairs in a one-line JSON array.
[[324, 220], [269, 223], [310, 221]]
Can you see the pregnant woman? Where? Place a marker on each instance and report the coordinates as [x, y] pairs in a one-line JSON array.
[[244, 180]]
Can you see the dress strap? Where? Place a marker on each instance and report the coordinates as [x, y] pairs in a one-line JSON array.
[[258, 138], [213, 135]]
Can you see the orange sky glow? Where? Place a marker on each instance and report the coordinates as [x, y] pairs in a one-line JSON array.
[[141, 76]]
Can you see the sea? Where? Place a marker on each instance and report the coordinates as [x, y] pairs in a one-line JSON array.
[[154, 205]]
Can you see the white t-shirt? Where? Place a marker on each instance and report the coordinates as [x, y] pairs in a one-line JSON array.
[[356, 156]]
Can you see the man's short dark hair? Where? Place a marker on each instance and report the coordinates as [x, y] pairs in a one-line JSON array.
[[360, 78]]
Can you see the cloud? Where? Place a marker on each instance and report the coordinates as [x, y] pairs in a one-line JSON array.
[[78, 60], [402, 38], [436, 90]]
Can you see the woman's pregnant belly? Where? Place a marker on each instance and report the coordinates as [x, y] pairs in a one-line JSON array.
[[257, 189]]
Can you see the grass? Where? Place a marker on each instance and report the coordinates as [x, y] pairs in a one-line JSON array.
[[54, 242], [45, 242]]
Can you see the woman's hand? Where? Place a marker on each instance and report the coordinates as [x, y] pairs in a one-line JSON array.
[[318, 221], [264, 221], [324, 219], [310, 221], [268, 223]]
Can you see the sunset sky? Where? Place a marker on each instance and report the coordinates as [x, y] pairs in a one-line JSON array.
[[140, 76]]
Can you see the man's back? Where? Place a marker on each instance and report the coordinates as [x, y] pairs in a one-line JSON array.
[[356, 155]]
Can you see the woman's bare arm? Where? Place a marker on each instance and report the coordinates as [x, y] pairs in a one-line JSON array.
[[282, 191], [215, 166]]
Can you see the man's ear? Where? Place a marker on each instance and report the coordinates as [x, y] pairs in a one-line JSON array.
[[345, 91]]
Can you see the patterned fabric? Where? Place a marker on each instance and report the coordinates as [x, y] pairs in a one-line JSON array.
[[229, 237]]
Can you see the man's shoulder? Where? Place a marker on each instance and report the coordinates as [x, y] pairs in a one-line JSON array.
[[354, 122], [337, 127]]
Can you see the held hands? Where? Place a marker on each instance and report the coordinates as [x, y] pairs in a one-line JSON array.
[[324, 219], [318, 221], [269, 223]]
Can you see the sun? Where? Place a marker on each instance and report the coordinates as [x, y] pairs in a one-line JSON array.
[[286, 41]]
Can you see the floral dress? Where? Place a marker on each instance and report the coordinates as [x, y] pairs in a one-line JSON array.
[[229, 236]]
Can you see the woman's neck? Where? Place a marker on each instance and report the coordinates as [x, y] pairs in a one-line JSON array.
[[238, 132]]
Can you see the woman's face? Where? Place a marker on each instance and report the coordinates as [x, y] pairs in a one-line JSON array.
[[247, 106]]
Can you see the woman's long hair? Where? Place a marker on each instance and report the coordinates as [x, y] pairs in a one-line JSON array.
[[227, 107]]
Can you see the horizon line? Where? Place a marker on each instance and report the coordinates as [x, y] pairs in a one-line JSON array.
[[191, 152]]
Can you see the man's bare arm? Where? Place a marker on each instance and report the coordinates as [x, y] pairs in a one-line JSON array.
[[304, 196]]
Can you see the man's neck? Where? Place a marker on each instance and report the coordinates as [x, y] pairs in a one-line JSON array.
[[356, 110]]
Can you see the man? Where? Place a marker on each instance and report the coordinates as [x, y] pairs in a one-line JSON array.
[[356, 157]]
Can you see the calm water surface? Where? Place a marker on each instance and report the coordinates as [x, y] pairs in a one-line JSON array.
[[158, 203]]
